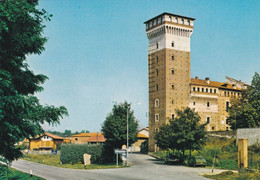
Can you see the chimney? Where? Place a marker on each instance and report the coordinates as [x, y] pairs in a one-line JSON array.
[[196, 77], [207, 80]]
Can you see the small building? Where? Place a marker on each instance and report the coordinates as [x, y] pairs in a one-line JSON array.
[[88, 138], [142, 136], [46, 141]]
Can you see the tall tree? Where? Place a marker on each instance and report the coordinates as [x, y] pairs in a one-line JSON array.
[[115, 127], [183, 133], [245, 111], [21, 114]]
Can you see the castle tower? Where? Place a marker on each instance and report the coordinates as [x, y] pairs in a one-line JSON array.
[[169, 68]]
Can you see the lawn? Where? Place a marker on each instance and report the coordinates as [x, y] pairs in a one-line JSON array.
[[229, 175], [12, 174], [54, 160]]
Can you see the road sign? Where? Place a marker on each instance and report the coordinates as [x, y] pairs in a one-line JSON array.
[[124, 146], [120, 151]]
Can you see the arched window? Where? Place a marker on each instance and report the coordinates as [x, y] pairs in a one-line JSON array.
[[172, 57], [188, 22], [157, 87], [172, 43], [172, 71], [172, 86], [157, 72], [156, 103]]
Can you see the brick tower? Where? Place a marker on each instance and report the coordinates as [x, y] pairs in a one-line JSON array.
[[169, 68]]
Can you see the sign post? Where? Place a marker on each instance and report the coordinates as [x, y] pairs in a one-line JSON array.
[[120, 151]]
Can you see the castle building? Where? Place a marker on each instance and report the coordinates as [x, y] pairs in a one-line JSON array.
[[170, 84]]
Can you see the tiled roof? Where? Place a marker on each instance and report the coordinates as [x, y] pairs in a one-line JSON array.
[[139, 135], [48, 134], [54, 136], [202, 82], [81, 135], [99, 138]]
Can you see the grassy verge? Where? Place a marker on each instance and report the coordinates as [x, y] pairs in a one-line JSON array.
[[224, 150], [54, 160], [12, 174], [229, 175]]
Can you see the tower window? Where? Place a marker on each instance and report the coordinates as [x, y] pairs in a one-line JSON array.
[[172, 71], [215, 91], [156, 117], [157, 59], [157, 72], [172, 57], [207, 90], [156, 130], [225, 93], [194, 103], [172, 101], [227, 105], [172, 43], [208, 120], [188, 22], [202, 89], [194, 88], [213, 128], [198, 89], [156, 102], [208, 104], [157, 45], [172, 86], [210, 90], [182, 21], [157, 87], [176, 19], [172, 116]]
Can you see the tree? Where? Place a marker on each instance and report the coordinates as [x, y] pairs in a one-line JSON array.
[[21, 114], [115, 127], [183, 133], [67, 133], [245, 111]]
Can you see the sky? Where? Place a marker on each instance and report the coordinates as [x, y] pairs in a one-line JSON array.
[[97, 52]]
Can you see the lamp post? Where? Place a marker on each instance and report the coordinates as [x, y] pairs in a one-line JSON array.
[[127, 136]]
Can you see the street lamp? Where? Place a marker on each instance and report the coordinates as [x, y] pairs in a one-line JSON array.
[[127, 135]]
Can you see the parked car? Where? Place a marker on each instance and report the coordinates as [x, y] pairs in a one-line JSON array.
[[172, 159], [196, 161]]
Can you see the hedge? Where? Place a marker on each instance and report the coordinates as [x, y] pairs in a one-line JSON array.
[[73, 153]]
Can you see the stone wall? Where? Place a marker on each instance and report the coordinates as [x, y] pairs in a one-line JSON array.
[[252, 134]]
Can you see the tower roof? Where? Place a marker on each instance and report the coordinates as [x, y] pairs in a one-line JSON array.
[[165, 13]]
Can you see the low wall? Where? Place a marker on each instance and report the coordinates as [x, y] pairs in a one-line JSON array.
[[252, 134]]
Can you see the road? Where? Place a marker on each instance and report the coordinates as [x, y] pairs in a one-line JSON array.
[[143, 167]]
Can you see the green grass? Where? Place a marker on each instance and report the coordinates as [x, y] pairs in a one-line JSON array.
[[12, 174], [54, 160], [229, 175]]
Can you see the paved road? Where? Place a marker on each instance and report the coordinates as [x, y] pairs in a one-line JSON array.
[[143, 167]]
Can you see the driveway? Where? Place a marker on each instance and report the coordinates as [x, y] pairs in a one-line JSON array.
[[143, 167]]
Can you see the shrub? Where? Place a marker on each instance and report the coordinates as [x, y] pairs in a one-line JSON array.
[[3, 171], [73, 153], [228, 163]]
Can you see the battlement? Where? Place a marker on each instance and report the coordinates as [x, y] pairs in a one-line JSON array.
[[168, 18]]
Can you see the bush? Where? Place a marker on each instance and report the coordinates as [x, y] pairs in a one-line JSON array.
[[3, 171], [228, 163], [73, 153]]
